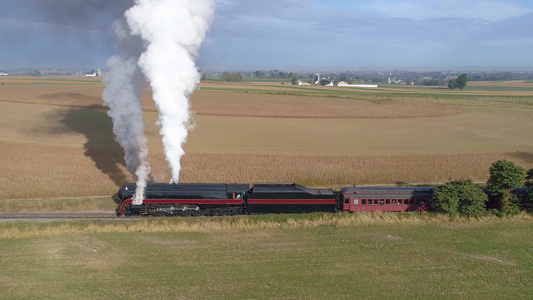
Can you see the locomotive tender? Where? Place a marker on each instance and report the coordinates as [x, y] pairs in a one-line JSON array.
[[195, 199]]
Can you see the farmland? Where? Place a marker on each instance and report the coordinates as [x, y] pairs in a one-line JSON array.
[[58, 154], [56, 139]]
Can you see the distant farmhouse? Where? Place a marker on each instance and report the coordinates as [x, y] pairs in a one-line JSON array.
[[316, 81], [94, 73]]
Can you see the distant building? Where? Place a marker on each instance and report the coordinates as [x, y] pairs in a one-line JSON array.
[[317, 79], [94, 73], [342, 83], [303, 83], [2, 73]]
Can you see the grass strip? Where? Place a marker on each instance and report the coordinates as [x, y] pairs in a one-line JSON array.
[[326, 256]]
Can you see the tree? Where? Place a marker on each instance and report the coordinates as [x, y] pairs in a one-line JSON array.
[[324, 82], [294, 80], [505, 176], [452, 84], [461, 196], [445, 200], [462, 81], [472, 200], [343, 77], [233, 77], [259, 74], [459, 82]]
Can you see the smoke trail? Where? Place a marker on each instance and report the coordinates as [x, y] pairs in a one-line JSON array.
[[162, 42], [173, 31], [122, 94]]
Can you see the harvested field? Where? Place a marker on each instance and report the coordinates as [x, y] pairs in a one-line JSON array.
[[234, 103], [56, 139], [286, 106]]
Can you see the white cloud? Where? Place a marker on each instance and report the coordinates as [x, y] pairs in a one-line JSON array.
[[474, 10]]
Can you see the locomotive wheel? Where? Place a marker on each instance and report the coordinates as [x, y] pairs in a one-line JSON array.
[[196, 213], [127, 211]]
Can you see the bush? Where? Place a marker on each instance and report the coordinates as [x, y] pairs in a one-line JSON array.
[[461, 196], [504, 177]]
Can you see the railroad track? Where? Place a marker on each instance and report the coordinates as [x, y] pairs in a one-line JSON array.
[[57, 215]]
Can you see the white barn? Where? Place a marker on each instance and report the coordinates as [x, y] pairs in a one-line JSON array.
[[342, 83]]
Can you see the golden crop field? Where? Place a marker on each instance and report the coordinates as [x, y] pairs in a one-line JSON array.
[[56, 139]]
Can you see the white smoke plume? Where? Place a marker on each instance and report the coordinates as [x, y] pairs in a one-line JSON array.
[[173, 31], [163, 39], [122, 94]]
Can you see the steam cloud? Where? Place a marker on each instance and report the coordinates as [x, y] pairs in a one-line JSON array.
[[163, 39]]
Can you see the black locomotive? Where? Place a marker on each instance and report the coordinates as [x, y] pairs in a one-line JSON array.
[[195, 199]]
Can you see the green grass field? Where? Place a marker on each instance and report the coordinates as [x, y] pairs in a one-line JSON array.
[[317, 256]]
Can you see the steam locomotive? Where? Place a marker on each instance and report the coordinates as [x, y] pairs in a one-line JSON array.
[[208, 199]]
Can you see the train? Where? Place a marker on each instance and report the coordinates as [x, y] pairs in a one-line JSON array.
[[212, 199], [217, 199]]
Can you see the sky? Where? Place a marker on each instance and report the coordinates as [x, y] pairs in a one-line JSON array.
[[289, 35]]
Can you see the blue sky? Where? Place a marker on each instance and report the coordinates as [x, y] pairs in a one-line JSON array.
[[288, 35]]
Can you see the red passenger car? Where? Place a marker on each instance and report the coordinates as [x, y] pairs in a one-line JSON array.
[[386, 198]]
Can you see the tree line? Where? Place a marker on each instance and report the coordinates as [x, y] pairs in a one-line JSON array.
[[405, 77], [463, 197]]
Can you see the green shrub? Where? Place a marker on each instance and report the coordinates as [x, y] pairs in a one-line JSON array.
[[461, 196], [504, 177]]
